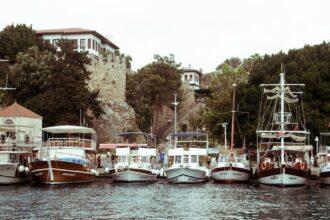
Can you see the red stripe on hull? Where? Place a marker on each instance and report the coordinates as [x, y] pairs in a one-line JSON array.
[[63, 172], [324, 174], [288, 170]]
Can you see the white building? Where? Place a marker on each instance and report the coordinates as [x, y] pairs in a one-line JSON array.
[[27, 124], [86, 40], [191, 78]]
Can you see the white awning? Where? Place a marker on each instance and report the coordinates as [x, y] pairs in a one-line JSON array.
[[63, 129]]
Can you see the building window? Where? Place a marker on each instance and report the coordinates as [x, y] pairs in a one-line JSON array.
[[185, 78], [93, 44], [89, 43], [190, 77], [82, 44], [197, 78], [193, 158], [75, 43]]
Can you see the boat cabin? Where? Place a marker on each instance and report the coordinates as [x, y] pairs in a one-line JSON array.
[[68, 143], [188, 149]]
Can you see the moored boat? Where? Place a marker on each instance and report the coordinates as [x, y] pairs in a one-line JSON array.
[[68, 156], [187, 154], [324, 159], [136, 158], [283, 152], [231, 167], [14, 156]]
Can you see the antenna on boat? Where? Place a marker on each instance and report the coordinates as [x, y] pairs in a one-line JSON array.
[[175, 103]]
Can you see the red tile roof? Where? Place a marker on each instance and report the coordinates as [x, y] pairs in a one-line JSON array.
[[16, 110], [71, 31]]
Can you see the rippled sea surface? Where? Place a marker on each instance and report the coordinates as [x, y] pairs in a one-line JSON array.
[[107, 200]]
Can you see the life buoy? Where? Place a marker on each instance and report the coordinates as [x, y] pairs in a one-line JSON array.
[[263, 165], [302, 166]]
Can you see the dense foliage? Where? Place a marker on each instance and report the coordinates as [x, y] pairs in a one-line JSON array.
[[309, 65], [49, 82], [15, 39], [151, 88], [218, 107]]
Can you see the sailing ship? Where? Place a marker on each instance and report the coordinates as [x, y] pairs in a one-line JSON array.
[[68, 156], [231, 167], [324, 159], [282, 150], [15, 155], [135, 158], [187, 154]]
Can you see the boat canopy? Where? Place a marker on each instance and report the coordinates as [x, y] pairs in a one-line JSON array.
[[188, 134], [133, 133], [72, 129], [325, 134], [288, 152]]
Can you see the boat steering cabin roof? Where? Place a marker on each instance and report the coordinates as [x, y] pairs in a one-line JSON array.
[[133, 133], [188, 134], [62, 129]]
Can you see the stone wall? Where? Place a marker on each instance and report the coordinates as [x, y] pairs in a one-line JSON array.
[[109, 77]]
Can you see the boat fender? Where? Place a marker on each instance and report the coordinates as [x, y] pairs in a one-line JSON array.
[[27, 170], [263, 165], [107, 169], [21, 168]]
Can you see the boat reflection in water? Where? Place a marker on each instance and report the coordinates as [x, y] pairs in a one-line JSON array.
[[68, 156]]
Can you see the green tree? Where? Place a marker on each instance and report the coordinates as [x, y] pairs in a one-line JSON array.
[[309, 65], [151, 88], [15, 39], [218, 106], [56, 86]]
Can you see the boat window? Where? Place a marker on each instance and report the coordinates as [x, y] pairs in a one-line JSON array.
[[186, 159], [223, 159], [193, 159], [144, 159], [177, 159]]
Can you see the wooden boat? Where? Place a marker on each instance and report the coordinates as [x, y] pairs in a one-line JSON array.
[[187, 158], [283, 155], [324, 159], [15, 155], [136, 158], [232, 168], [68, 156]]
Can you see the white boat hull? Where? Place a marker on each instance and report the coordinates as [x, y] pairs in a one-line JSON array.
[[230, 175], [325, 174], [186, 175], [283, 177], [9, 174], [283, 180], [133, 176]]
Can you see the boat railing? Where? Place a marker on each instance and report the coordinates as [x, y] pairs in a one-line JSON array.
[[69, 142]]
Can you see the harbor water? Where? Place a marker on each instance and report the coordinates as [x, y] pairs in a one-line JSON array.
[[106, 200]]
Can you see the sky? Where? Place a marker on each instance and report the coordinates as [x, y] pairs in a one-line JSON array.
[[200, 34]]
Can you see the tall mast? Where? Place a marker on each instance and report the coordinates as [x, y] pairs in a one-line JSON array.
[[282, 85], [175, 103], [232, 122]]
